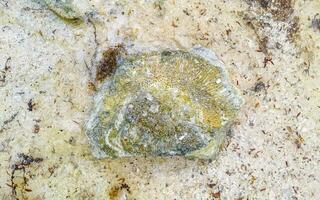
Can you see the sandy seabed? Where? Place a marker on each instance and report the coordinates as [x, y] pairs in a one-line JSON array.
[[47, 69]]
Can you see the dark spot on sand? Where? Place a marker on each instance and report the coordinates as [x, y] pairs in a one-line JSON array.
[[115, 191], [108, 63], [259, 86], [315, 23], [27, 159]]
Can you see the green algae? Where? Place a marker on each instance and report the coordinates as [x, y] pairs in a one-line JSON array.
[[64, 9], [170, 103]]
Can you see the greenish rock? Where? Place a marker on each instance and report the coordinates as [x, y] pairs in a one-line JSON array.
[[64, 9], [170, 103]]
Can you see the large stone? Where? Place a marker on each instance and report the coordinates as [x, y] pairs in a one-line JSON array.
[[164, 104]]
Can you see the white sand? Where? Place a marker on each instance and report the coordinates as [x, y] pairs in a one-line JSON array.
[[274, 152]]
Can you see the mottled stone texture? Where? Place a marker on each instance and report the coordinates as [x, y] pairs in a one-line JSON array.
[[164, 104]]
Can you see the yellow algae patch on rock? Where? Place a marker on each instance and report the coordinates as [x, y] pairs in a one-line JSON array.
[[164, 104]]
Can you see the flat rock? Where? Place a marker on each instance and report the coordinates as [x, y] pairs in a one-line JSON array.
[[164, 104]]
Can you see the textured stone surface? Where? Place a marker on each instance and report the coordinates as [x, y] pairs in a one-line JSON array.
[[164, 103]]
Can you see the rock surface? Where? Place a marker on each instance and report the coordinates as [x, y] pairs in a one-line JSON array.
[[164, 103]]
